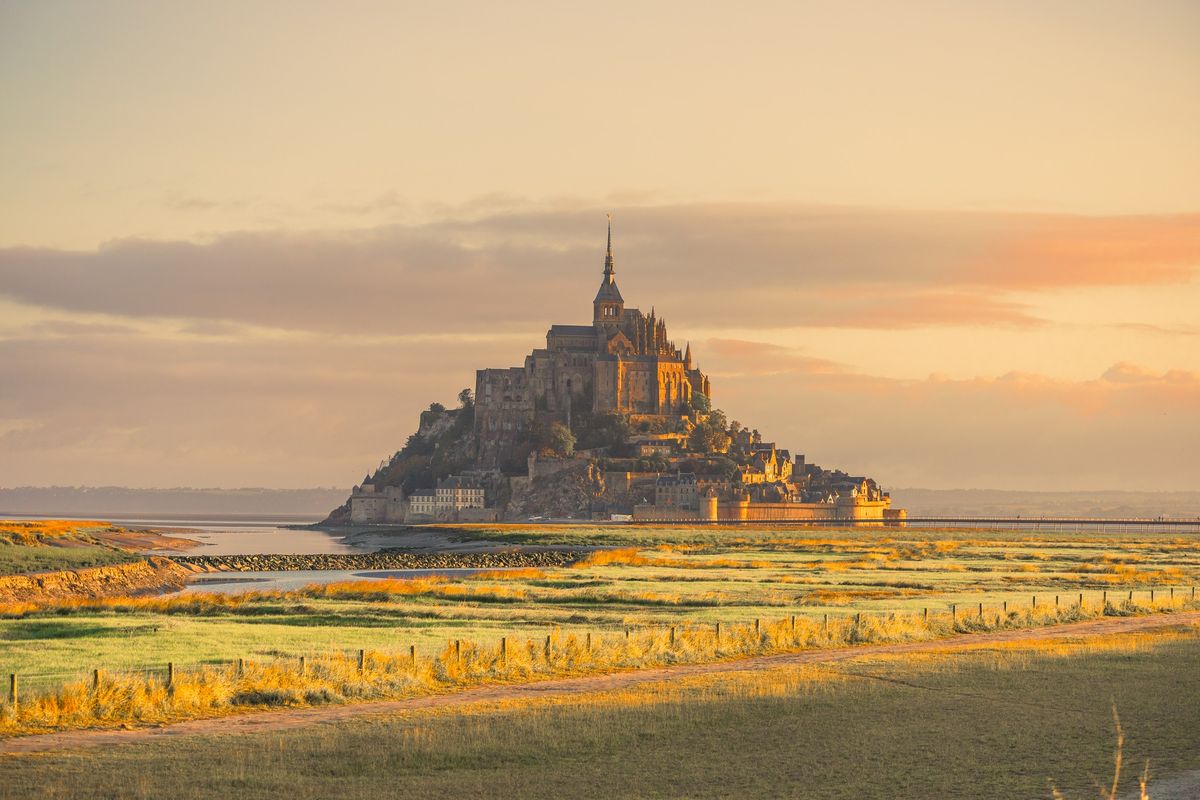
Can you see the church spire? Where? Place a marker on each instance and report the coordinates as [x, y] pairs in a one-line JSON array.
[[608, 258]]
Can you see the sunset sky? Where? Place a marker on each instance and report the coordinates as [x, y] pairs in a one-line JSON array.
[[946, 244]]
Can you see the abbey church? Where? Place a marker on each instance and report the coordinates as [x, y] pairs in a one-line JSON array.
[[623, 361]]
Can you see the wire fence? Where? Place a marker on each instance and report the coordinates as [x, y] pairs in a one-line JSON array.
[[945, 618]]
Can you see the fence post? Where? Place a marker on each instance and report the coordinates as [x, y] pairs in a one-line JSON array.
[[1105, 598], [793, 624], [627, 634], [1131, 595], [825, 623], [303, 668], [1172, 592], [925, 614], [12, 688], [95, 680], [412, 655], [981, 610], [1006, 608], [1056, 601], [672, 636], [953, 613], [362, 661], [547, 648], [458, 651], [858, 619], [756, 623], [241, 667], [589, 641], [1081, 599], [170, 674], [503, 650], [718, 633], [1151, 595], [1035, 601]]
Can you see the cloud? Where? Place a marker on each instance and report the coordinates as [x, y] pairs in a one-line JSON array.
[[740, 266]]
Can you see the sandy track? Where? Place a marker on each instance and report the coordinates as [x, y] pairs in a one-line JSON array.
[[291, 718]]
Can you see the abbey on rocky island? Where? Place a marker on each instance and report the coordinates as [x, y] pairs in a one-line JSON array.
[[608, 421], [623, 361]]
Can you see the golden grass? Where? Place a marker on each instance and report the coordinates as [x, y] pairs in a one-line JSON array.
[[633, 557], [140, 698], [35, 532]]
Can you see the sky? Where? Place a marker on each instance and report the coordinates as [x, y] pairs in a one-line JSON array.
[[949, 245]]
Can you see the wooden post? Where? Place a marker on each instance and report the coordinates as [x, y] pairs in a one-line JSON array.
[[547, 648], [1131, 595], [825, 623], [1151, 595], [458, 651], [1006, 608], [12, 688], [793, 624], [672, 636], [503, 650], [953, 613], [303, 668], [1105, 600], [756, 622], [95, 680], [589, 641], [718, 633], [1172, 592], [412, 655], [1035, 601], [981, 610], [858, 619], [241, 667], [362, 661], [1056, 601], [1081, 599], [627, 634], [170, 674]]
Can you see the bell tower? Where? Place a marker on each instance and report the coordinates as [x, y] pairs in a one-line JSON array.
[[609, 306]]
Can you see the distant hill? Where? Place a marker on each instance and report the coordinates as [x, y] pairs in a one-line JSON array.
[[995, 502], [116, 500]]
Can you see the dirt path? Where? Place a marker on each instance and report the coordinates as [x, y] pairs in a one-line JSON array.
[[292, 718]]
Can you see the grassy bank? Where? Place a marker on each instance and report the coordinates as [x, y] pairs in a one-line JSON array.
[[156, 695], [1008, 722]]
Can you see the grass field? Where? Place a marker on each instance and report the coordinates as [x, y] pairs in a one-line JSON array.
[[48, 545], [661, 576], [1008, 722]]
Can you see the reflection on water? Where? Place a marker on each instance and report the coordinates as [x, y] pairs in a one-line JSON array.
[[240, 582], [257, 538]]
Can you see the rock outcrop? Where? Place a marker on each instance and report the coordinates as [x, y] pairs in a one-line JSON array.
[[383, 559]]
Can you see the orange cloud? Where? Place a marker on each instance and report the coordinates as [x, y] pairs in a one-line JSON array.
[[1096, 251]]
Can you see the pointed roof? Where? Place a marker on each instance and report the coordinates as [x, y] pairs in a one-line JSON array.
[[608, 287]]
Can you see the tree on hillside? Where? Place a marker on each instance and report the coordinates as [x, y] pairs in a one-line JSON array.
[[466, 399], [711, 434], [560, 439], [610, 430], [437, 408]]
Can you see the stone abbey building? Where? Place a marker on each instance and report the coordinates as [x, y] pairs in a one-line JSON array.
[[623, 361]]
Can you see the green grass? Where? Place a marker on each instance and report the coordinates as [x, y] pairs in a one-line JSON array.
[[964, 725], [16, 559], [798, 571]]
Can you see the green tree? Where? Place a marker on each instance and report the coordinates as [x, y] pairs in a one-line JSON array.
[[711, 435], [466, 399], [560, 439]]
